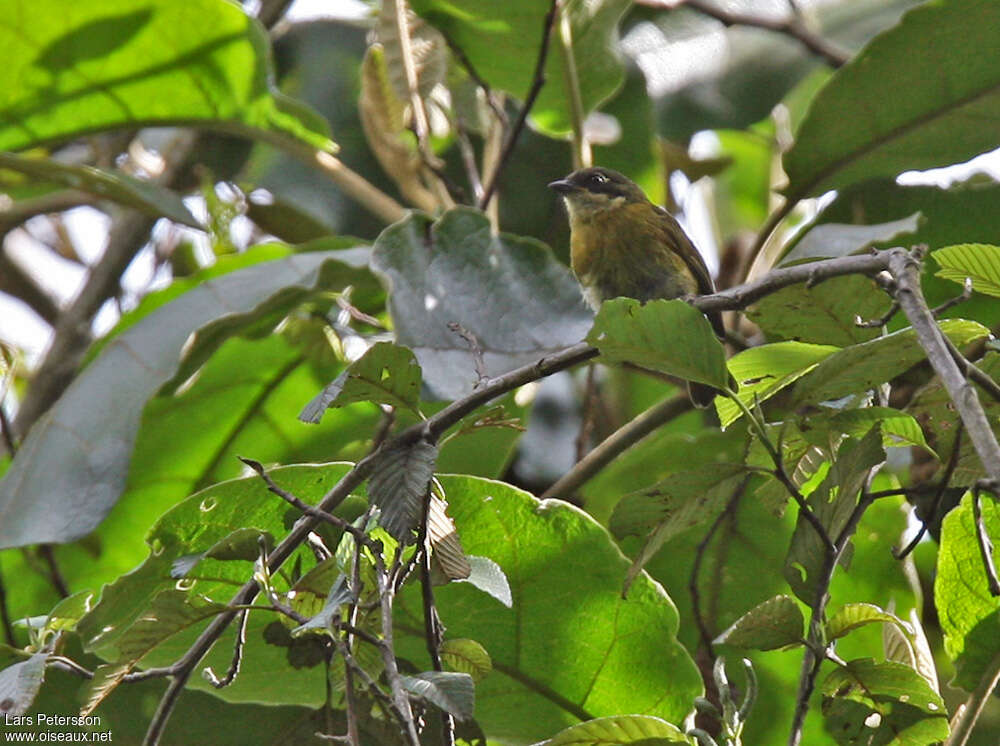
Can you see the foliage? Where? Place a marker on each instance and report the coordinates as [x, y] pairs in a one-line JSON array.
[[365, 489]]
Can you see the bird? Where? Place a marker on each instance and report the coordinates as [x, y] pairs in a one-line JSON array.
[[623, 245]]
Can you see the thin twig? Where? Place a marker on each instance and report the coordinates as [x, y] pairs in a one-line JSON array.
[[881, 320], [815, 648], [587, 413], [699, 556], [968, 713], [619, 441], [952, 302], [982, 537], [582, 157], [475, 349], [793, 26], [466, 63], [47, 554], [237, 659], [938, 496], [8, 627], [529, 101], [972, 372], [433, 633]]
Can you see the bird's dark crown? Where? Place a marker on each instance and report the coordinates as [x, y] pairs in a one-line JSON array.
[[597, 180]]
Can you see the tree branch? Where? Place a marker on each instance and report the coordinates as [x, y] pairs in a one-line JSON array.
[[792, 26], [905, 268]]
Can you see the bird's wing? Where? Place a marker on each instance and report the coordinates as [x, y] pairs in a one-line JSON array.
[[687, 251]]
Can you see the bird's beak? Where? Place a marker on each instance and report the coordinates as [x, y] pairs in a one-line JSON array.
[[563, 186]]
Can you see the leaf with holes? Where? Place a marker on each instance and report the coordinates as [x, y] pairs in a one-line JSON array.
[[776, 623], [664, 335], [869, 702], [763, 371], [832, 503]]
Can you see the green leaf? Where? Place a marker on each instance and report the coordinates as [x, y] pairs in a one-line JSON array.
[[868, 364], [551, 662], [147, 196], [898, 428], [979, 261], [776, 623], [74, 465], [679, 502], [850, 617], [70, 610], [869, 702], [930, 106], [399, 485], [763, 371], [664, 335], [970, 616], [339, 595], [621, 730], [20, 682], [829, 240], [508, 292], [823, 314], [454, 693], [466, 656], [385, 374], [832, 503], [480, 29], [89, 67]]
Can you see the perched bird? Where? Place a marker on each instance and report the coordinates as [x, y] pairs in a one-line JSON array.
[[621, 244]]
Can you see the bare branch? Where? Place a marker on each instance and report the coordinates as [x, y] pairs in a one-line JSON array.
[[905, 268], [792, 26]]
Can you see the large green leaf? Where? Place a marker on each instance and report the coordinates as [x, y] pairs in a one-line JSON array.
[[513, 300], [76, 68], [763, 371], [480, 28], [979, 262], [930, 107], [823, 314], [870, 702], [970, 616], [72, 466], [862, 366], [553, 663], [664, 335]]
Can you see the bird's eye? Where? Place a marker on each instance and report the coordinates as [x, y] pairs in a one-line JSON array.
[[598, 179]]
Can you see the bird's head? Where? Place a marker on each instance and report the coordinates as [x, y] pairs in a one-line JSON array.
[[590, 191]]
